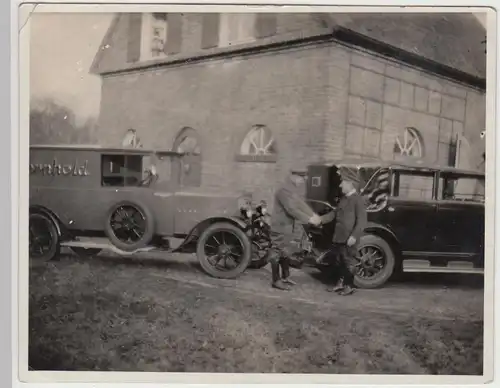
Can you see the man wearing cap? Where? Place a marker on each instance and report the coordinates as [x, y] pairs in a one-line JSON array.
[[289, 208], [350, 220]]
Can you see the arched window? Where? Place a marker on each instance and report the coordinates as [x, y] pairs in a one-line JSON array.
[[188, 142], [131, 139], [409, 144], [259, 144]]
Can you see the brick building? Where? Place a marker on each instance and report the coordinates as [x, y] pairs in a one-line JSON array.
[[252, 95]]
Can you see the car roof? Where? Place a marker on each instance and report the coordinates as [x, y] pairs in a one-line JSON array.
[[102, 149], [361, 163]]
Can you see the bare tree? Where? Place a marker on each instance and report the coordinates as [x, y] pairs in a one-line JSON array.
[[53, 123]]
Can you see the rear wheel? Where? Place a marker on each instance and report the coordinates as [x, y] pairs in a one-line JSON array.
[[375, 262], [44, 241], [224, 251], [129, 226]]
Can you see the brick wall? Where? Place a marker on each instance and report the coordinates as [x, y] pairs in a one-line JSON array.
[[320, 102], [385, 97], [299, 98]]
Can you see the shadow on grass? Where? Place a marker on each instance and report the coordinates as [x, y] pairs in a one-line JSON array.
[[421, 280], [138, 262]]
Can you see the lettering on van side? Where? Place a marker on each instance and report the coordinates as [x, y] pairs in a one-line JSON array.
[[53, 169]]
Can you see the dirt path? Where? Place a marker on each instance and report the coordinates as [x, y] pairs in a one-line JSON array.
[[447, 298]]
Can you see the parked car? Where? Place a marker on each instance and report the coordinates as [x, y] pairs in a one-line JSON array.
[[90, 198], [420, 218]]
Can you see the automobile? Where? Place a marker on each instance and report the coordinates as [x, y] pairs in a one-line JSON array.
[[132, 200], [421, 218]]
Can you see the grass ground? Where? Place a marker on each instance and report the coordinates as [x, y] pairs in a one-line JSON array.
[[94, 316]]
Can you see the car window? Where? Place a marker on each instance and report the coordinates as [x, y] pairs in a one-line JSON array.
[[411, 185], [461, 188], [121, 170]]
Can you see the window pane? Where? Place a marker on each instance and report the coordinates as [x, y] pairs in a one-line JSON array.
[[160, 16], [121, 170], [258, 141], [415, 186], [189, 145], [462, 188], [112, 164], [133, 164]]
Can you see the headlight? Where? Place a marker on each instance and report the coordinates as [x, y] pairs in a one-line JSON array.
[[244, 201], [262, 208]]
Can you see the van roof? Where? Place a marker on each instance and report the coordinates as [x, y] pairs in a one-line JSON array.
[[103, 149]]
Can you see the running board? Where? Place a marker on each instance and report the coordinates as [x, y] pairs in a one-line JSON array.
[[105, 244], [465, 267]]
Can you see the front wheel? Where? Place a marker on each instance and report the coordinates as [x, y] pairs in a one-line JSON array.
[[44, 241], [224, 251], [375, 262]]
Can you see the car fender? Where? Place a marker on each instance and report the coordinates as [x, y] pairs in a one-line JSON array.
[[383, 232], [231, 219], [197, 230], [53, 217]]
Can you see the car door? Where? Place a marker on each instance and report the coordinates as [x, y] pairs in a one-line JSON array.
[[164, 189], [411, 210], [460, 216]]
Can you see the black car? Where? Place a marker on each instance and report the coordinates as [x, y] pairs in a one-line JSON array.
[[420, 218]]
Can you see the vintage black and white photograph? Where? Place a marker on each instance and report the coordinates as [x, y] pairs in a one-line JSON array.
[[269, 192]]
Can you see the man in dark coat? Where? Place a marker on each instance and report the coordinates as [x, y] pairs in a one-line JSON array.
[[350, 221], [290, 210]]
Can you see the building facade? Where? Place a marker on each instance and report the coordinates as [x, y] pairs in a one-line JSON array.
[[253, 95]]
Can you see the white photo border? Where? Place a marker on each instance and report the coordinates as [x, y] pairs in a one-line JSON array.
[[19, 189]]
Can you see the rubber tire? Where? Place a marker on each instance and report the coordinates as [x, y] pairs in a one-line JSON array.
[[247, 246], [86, 252], [146, 239], [56, 248], [388, 270], [258, 262]]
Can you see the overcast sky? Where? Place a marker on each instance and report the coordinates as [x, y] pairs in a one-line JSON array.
[[63, 47]]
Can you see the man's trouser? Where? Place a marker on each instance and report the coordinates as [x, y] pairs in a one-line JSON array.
[[279, 257], [279, 260], [346, 263]]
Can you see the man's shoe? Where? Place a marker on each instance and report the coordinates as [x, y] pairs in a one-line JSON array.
[[347, 291], [280, 286], [339, 286], [289, 281]]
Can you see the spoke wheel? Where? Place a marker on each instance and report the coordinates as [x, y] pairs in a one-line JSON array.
[[224, 251], [43, 238], [374, 262], [129, 226], [370, 261]]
